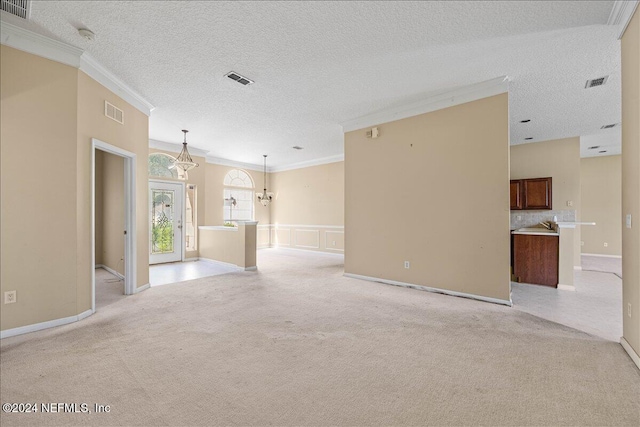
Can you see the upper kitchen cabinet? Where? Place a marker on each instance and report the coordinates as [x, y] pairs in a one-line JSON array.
[[516, 194], [531, 194]]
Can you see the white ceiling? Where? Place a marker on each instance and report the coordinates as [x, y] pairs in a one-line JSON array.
[[317, 65]]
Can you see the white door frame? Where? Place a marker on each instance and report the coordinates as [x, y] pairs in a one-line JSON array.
[[183, 215], [130, 248]]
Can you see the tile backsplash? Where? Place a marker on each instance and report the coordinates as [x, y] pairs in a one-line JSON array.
[[531, 218]]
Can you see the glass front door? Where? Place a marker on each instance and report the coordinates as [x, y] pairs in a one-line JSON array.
[[165, 228]]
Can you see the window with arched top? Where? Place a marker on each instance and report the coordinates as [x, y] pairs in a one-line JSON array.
[[238, 196], [161, 166]]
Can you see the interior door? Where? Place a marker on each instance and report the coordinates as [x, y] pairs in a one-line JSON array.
[[165, 228]]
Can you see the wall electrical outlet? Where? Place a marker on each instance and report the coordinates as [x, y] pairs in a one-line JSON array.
[[628, 220], [569, 203], [10, 297], [606, 245], [629, 309], [334, 243], [518, 217], [407, 265]]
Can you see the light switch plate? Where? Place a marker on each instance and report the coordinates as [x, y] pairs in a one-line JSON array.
[[628, 221]]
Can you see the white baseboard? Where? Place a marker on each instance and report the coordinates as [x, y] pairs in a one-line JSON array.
[[604, 256], [229, 264], [577, 267], [287, 248], [562, 287], [632, 354], [110, 270], [44, 325], [430, 289], [190, 259], [142, 288]]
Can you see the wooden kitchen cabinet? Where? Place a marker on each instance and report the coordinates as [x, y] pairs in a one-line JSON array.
[[535, 259], [515, 188], [531, 194]]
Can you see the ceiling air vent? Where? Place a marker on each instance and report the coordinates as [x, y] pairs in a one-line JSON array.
[[596, 82], [609, 126], [240, 79], [19, 8], [113, 112]]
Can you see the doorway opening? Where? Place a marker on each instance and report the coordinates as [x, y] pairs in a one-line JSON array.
[[166, 232], [113, 218]]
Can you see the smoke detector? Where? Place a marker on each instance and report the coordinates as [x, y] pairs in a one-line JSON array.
[[87, 34]]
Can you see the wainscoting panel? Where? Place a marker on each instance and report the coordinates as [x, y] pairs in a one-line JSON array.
[[307, 239], [322, 238]]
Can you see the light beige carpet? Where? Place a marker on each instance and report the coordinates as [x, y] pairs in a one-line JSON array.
[[296, 343]]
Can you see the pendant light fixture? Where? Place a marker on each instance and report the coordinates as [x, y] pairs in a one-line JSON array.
[[264, 197], [184, 160]]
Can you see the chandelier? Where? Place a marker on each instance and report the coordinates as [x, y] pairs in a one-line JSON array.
[[264, 197], [184, 160]]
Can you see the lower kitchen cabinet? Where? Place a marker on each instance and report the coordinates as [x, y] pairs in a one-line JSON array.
[[535, 259]]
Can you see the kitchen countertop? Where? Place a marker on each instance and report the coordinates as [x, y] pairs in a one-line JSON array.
[[535, 231]]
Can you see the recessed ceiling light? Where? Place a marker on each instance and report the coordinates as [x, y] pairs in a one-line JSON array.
[[603, 151], [609, 126], [596, 82], [529, 138], [525, 121], [240, 79], [297, 147], [593, 147]]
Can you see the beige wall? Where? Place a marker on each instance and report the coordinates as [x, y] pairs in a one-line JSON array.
[[133, 136], [434, 193], [601, 199], [38, 122], [559, 159], [308, 210], [110, 222], [233, 245], [49, 113], [631, 181], [196, 176]]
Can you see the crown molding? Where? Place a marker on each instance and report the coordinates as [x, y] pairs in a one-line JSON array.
[[176, 148], [308, 163], [621, 14], [232, 163], [46, 47], [37, 44], [435, 102], [106, 78]]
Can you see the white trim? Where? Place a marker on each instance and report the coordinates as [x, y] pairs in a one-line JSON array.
[[303, 250], [307, 163], [110, 270], [621, 14], [630, 351], [577, 267], [254, 268], [37, 44], [572, 224], [603, 256], [430, 289], [232, 163], [436, 101], [142, 288], [46, 47], [217, 228], [106, 78], [190, 259], [245, 222], [44, 325], [301, 226], [566, 287], [130, 250], [176, 148]]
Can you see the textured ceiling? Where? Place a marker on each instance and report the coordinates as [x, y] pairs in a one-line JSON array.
[[319, 64]]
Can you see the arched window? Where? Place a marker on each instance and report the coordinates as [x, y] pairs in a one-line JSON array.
[[160, 166], [238, 196]]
